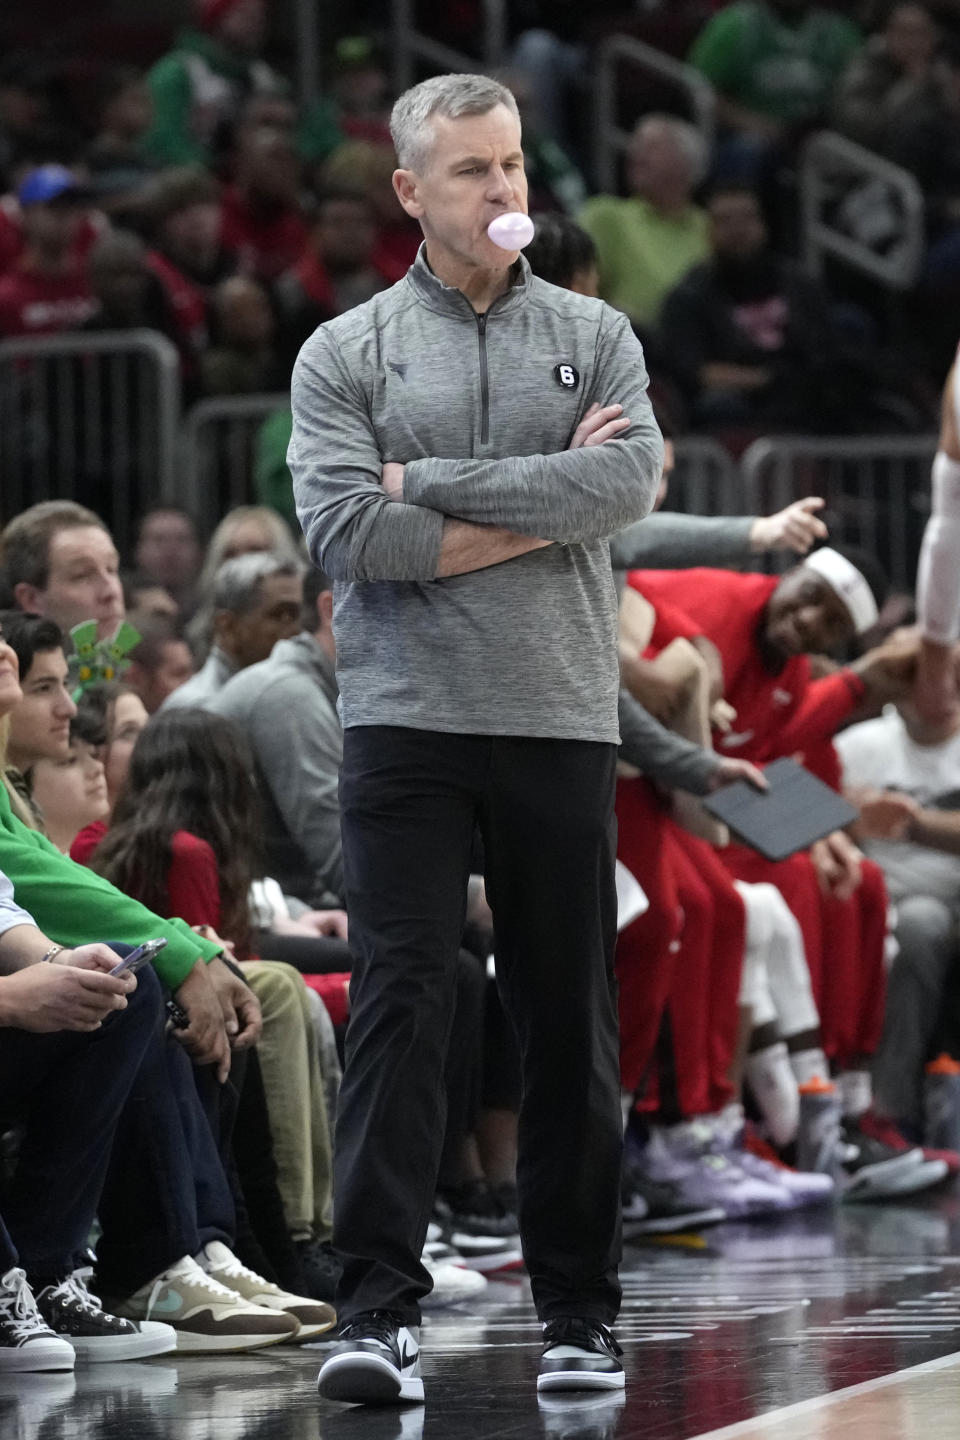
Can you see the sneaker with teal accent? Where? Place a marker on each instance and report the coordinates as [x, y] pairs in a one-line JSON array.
[[206, 1315]]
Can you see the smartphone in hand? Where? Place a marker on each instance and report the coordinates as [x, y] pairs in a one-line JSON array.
[[136, 960]]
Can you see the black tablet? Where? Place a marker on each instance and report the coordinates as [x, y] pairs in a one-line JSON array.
[[797, 810]]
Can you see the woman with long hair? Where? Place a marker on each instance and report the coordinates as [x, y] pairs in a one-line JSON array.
[[183, 839]]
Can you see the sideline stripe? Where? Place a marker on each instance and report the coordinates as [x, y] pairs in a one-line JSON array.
[[761, 1423]]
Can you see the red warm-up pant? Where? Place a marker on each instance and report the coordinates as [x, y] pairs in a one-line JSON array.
[[679, 964], [844, 942]]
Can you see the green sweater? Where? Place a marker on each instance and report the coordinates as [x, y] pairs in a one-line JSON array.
[[73, 906]]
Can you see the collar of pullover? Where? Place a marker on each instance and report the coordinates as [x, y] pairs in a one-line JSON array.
[[447, 300]]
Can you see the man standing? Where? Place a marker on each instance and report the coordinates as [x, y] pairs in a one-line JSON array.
[[459, 465]]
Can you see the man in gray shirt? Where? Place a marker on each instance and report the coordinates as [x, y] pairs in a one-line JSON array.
[[463, 447]]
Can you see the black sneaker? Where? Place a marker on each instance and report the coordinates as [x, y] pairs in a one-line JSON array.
[[579, 1355], [873, 1170], [76, 1315], [321, 1269], [474, 1209], [26, 1340], [377, 1362], [658, 1207]]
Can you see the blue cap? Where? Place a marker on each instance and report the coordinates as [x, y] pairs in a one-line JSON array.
[[46, 183]]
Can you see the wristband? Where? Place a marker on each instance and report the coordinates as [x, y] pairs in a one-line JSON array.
[[52, 953]]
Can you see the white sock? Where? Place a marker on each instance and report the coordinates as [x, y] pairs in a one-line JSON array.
[[809, 1065], [774, 1085], [856, 1092]]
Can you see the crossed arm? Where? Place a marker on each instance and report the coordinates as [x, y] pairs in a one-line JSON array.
[[459, 515]]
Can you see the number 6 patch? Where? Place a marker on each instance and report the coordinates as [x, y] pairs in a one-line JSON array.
[[566, 375]]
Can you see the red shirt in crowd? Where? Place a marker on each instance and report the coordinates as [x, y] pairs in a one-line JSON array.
[[35, 304], [265, 245], [783, 714], [187, 304], [193, 885]]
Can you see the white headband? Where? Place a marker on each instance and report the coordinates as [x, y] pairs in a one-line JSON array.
[[849, 583]]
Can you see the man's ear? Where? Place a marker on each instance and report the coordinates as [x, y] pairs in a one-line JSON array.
[[405, 185], [27, 597], [225, 629]]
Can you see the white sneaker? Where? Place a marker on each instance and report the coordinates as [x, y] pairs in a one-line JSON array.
[[314, 1317], [206, 1315], [451, 1284], [26, 1340]]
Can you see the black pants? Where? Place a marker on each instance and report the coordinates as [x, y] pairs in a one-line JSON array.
[[409, 802]]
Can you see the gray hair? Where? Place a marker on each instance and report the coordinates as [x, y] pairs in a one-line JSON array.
[[237, 583], [685, 136], [447, 95]]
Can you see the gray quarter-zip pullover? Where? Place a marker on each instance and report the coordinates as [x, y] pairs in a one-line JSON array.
[[480, 410]]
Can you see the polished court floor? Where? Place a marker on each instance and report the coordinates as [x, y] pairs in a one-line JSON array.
[[840, 1323]]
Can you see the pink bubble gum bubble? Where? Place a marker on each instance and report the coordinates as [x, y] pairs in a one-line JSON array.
[[511, 231]]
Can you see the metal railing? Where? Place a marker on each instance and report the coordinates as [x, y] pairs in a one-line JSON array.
[[861, 209], [91, 418], [218, 451], [877, 489], [706, 480], [610, 138], [411, 45]]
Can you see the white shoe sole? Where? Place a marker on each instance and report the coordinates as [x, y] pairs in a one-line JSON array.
[[581, 1380], [366, 1380], [39, 1356], [190, 1342], [152, 1339]]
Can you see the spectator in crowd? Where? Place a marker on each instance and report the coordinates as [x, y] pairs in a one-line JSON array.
[[287, 708], [336, 270], [168, 551], [66, 1078], [199, 88], [205, 1037], [257, 600], [39, 725], [903, 773], [157, 1221], [116, 161], [127, 293], [159, 664], [242, 357], [563, 253], [774, 64], [647, 242], [899, 96], [243, 530], [183, 839], [146, 601], [111, 717], [751, 340], [358, 163], [69, 791], [261, 220], [59, 560], [46, 290], [185, 215]]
